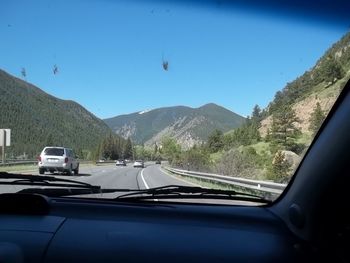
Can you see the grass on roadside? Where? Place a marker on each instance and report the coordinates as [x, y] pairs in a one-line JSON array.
[[261, 148], [17, 168], [217, 185]]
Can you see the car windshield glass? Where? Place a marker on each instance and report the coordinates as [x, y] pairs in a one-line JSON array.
[[54, 151], [144, 94]]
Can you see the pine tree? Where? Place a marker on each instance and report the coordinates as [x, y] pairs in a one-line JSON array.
[[111, 147], [256, 114], [332, 70], [128, 149], [24, 73], [279, 171], [215, 141], [316, 118], [283, 131], [50, 140], [278, 102]]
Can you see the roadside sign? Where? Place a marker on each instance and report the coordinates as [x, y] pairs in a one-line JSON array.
[[5, 137]]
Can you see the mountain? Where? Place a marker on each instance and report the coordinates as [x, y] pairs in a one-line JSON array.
[[187, 125], [321, 84], [37, 119]]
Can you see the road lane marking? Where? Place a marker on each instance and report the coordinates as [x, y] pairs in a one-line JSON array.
[[165, 172], [143, 179], [144, 182]]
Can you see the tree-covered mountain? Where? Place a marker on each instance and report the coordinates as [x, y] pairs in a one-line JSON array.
[[317, 87], [37, 119], [187, 125]]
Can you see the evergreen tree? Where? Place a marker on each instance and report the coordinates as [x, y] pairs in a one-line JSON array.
[[97, 154], [256, 114], [279, 171], [79, 153], [128, 149], [278, 102], [316, 118], [283, 131], [23, 73], [331, 70], [247, 134], [155, 148], [215, 141], [112, 147], [49, 140]]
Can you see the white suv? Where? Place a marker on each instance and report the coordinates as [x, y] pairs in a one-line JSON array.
[[58, 159]]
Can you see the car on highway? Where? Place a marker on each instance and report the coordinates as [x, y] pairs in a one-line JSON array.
[[264, 183], [158, 162], [58, 159], [120, 163], [139, 164]]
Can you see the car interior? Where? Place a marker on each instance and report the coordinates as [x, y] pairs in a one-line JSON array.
[[309, 221]]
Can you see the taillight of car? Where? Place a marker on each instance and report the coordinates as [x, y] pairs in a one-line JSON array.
[[66, 160], [39, 158]]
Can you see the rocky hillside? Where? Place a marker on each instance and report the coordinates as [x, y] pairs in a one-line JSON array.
[[37, 119], [321, 84], [304, 108], [187, 125]]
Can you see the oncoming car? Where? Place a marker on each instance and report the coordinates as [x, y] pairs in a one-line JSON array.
[[58, 159], [120, 163], [139, 164]]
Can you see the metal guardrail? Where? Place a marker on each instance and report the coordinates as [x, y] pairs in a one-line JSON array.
[[269, 187]]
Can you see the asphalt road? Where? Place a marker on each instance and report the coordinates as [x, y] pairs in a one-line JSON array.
[[112, 176], [120, 177]]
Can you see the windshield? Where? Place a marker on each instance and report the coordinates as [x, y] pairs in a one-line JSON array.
[[213, 94]]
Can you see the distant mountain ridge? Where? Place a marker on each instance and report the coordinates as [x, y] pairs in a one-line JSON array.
[[38, 119], [187, 125]]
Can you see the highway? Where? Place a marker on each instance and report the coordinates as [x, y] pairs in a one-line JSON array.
[[120, 177], [112, 176]]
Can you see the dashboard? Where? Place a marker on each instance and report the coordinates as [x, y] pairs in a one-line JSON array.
[[68, 230]]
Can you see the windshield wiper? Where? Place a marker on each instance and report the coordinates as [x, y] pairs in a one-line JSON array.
[[72, 187], [52, 186], [58, 192], [64, 187], [39, 180], [191, 192]]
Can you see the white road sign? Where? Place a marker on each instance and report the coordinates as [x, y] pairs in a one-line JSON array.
[[7, 137]]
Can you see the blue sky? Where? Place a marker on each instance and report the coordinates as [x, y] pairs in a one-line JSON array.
[[109, 53]]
